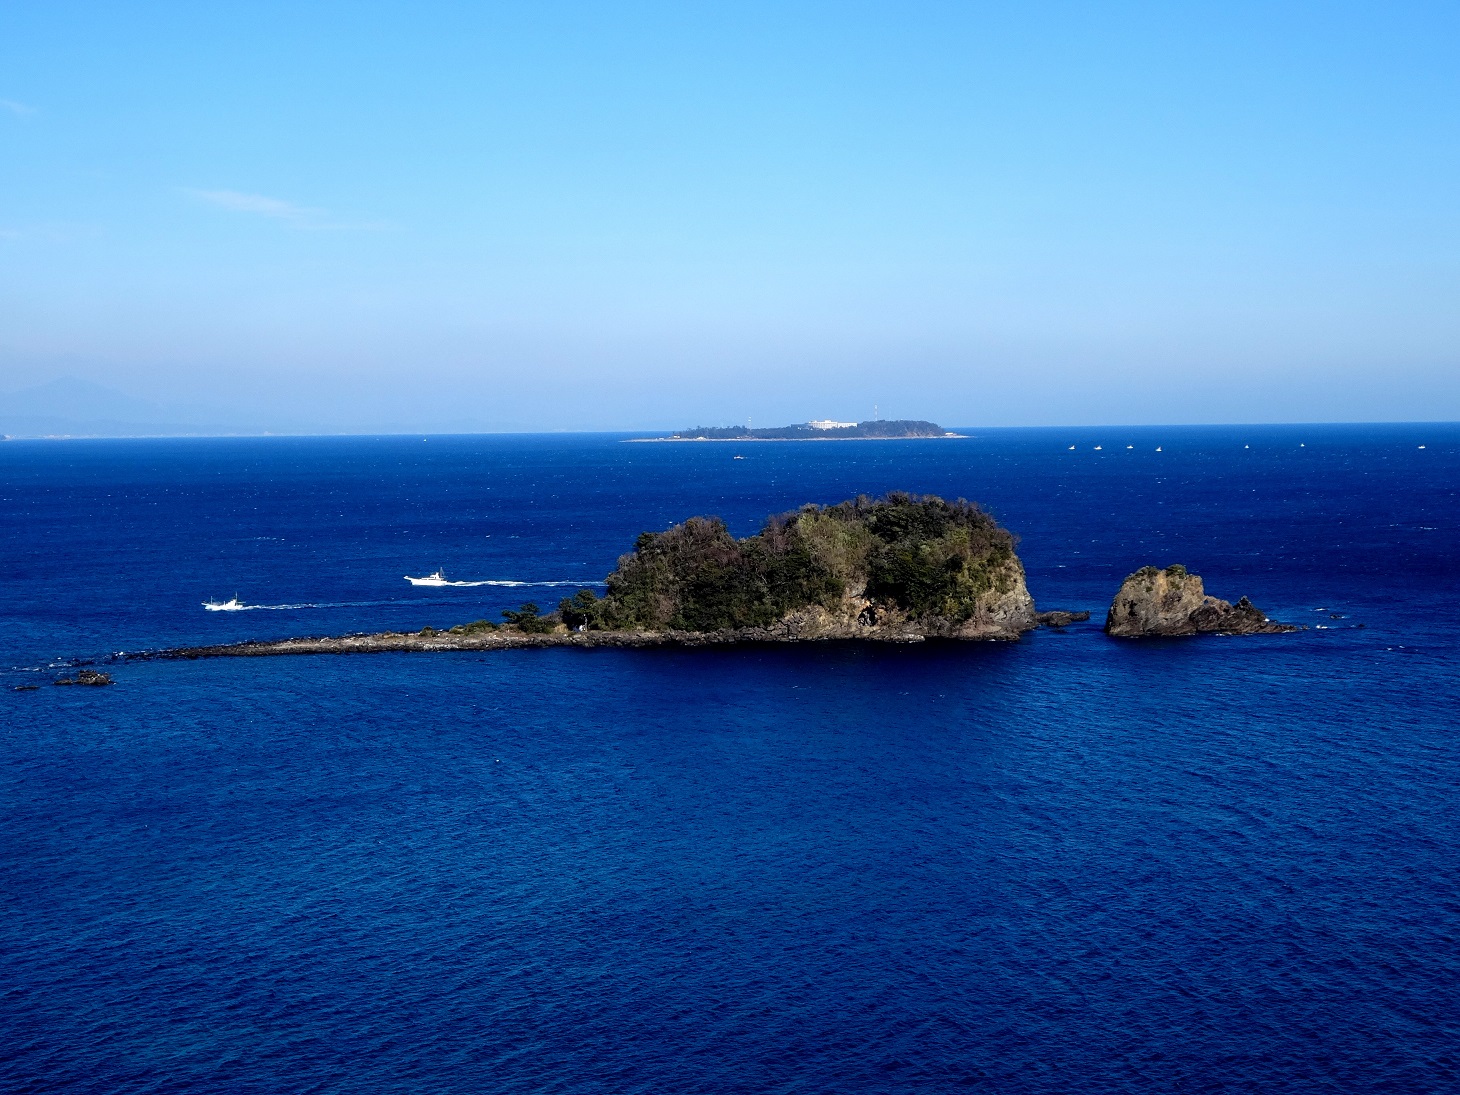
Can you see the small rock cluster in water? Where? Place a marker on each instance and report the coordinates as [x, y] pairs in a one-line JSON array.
[[86, 676]]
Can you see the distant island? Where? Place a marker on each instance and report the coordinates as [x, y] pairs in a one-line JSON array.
[[823, 430]]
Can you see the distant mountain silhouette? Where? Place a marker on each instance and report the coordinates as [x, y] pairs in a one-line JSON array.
[[72, 407], [83, 408]]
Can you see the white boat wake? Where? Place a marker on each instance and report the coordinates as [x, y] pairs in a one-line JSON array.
[[439, 579], [236, 605]]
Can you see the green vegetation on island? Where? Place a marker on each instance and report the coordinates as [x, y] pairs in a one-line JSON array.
[[527, 619], [903, 561], [816, 431]]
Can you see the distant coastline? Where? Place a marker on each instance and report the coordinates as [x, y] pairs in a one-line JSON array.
[[875, 430], [919, 437]]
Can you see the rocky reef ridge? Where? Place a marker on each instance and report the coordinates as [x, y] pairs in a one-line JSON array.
[[1059, 618], [1173, 602], [89, 677]]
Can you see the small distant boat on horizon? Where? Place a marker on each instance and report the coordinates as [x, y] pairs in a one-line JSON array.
[[233, 604], [435, 578]]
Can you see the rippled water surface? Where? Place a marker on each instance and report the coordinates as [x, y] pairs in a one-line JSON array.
[[1065, 864]]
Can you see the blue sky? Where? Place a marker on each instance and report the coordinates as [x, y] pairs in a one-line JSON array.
[[544, 216]]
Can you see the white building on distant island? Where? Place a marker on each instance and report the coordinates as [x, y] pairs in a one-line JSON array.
[[828, 424]]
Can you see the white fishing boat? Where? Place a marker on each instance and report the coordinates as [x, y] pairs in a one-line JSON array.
[[436, 578], [233, 604]]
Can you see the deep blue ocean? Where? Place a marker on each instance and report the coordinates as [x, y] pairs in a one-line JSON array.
[[1067, 864]]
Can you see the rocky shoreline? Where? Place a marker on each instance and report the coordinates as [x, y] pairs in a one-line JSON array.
[[505, 639], [1151, 603]]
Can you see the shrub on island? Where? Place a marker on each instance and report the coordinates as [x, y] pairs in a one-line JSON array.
[[526, 619], [476, 627], [930, 561]]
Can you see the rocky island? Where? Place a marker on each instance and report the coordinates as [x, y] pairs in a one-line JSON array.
[[1173, 602], [877, 430], [898, 569], [904, 568]]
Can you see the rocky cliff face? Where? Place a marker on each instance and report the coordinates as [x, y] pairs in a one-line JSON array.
[[1173, 602], [998, 614]]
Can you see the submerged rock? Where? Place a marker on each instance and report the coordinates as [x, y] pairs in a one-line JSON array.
[[87, 676], [1058, 618], [1173, 602]]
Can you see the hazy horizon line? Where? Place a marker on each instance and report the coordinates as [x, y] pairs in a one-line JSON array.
[[425, 434]]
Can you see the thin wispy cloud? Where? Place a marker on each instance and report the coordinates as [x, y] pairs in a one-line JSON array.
[[20, 110], [239, 202], [291, 213]]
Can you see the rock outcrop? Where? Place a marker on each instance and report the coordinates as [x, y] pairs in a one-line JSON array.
[[87, 676], [899, 567], [508, 639], [995, 615], [1058, 618], [1173, 602]]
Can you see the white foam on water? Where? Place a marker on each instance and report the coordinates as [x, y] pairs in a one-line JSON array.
[[507, 582], [232, 607], [235, 606], [499, 582]]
